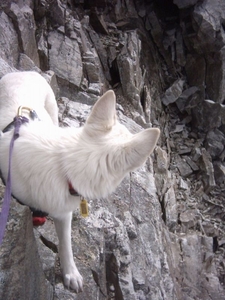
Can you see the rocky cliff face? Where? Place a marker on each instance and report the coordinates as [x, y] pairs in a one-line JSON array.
[[160, 236]]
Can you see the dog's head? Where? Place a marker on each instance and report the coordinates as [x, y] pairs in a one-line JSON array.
[[109, 150]]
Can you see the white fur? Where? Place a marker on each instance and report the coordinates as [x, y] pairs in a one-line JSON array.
[[94, 158]]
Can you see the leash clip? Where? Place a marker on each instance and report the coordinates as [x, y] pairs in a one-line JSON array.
[[20, 110], [32, 112]]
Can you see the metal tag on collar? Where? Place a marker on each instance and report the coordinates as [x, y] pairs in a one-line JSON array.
[[84, 208]]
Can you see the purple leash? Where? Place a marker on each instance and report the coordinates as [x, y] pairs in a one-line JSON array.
[[18, 121]]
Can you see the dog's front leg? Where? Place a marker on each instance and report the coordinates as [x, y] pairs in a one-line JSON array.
[[71, 275]]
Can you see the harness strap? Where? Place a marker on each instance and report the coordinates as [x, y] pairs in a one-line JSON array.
[[18, 121], [8, 127]]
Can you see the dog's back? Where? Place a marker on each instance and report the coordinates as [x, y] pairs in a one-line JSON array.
[[27, 89]]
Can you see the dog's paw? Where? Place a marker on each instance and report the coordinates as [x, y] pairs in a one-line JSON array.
[[74, 281]]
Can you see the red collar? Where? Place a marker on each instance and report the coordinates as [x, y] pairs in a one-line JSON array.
[[72, 191]]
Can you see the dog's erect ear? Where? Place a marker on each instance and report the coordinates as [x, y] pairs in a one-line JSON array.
[[139, 147], [103, 114]]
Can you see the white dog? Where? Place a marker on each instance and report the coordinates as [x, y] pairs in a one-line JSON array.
[[94, 158]]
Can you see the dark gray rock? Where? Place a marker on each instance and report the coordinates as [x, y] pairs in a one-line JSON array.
[[197, 261], [208, 26], [173, 92], [213, 110], [5, 68], [209, 170], [171, 208], [215, 77], [188, 99], [9, 50], [214, 143], [191, 163], [196, 69], [27, 64], [188, 219], [21, 274], [23, 19], [204, 36], [183, 167], [98, 22], [219, 172], [129, 68], [65, 58], [185, 3]]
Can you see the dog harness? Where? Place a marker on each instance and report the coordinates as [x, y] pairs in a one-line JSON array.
[[39, 217], [17, 122]]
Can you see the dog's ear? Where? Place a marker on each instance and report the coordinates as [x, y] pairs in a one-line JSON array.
[[139, 147], [103, 114]]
